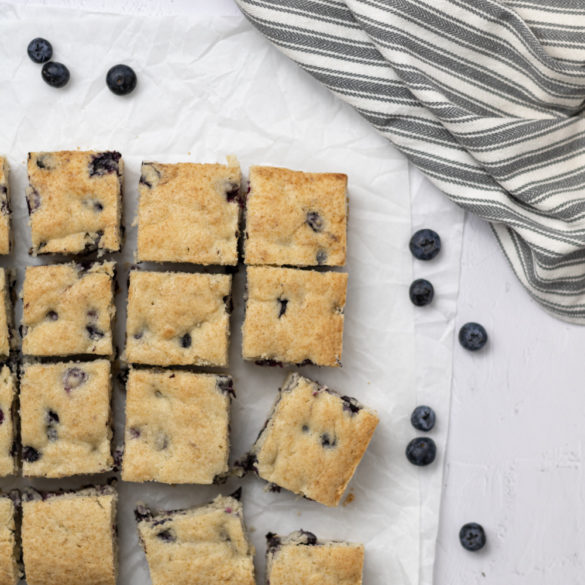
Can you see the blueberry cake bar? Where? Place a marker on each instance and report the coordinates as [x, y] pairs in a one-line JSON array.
[[313, 441], [68, 309], [178, 318], [10, 570], [302, 558], [5, 235], [69, 538], [198, 546], [7, 430], [74, 201], [65, 418], [189, 212], [177, 426], [6, 336], [294, 316], [295, 218]]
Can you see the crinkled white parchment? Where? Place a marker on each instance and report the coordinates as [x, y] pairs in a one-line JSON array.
[[209, 87]]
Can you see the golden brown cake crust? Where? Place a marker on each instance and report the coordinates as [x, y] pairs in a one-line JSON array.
[[68, 539], [74, 200], [7, 395], [65, 418], [5, 235], [313, 441], [68, 309], [189, 212], [199, 546], [9, 570], [178, 318], [176, 426], [5, 313], [296, 562], [294, 315], [296, 218]]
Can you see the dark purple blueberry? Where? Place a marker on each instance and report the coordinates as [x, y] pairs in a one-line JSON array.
[[40, 50], [30, 454], [33, 200], [233, 192], [425, 244], [306, 363], [55, 74], [46, 162], [143, 181], [94, 333], [423, 418], [138, 335], [52, 416], [269, 362], [134, 432], [1, 416], [421, 451], [305, 428], [421, 292], [229, 304], [104, 163], [276, 489], [51, 422], [142, 513], [167, 535], [321, 257], [314, 221], [186, 340], [309, 537], [74, 377], [473, 336], [272, 541], [472, 536], [97, 206], [248, 463], [121, 79], [52, 315], [282, 309], [327, 441], [92, 314], [351, 404], [226, 385]]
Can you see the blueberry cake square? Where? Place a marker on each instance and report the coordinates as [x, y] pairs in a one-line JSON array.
[[177, 426], [65, 418], [7, 430], [5, 234], [296, 218], [207, 545], [68, 309], [10, 569], [294, 316], [313, 441], [178, 318], [189, 212], [6, 336], [69, 538], [74, 201], [301, 558]]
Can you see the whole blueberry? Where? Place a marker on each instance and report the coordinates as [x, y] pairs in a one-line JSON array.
[[473, 336], [55, 74], [425, 244], [40, 50], [421, 451], [121, 79], [423, 418], [421, 292], [472, 536]]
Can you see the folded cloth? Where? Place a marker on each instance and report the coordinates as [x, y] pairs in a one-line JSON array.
[[484, 96]]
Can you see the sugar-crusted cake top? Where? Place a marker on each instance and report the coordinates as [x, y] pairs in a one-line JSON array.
[[74, 201], [176, 426], [313, 441], [189, 212], [296, 218], [198, 546]]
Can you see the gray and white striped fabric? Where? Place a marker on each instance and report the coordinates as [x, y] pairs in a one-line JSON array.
[[484, 96]]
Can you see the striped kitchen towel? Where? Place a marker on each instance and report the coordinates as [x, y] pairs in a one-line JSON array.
[[484, 96]]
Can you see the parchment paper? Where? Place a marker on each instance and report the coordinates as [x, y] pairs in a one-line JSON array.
[[209, 87]]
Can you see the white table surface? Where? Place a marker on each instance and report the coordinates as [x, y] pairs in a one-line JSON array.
[[514, 457]]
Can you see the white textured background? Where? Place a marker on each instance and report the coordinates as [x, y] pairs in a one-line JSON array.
[[514, 460]]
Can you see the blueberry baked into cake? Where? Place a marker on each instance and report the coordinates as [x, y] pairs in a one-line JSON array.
[[295, 218], [177, 426], [5, 234], [301, 558], [294, 316], [207, 545], [10, 569], [66, 418], [178, 318], [68, 309], [313, 440], [189, 212], [75, 201], [7, 422], [69, 538]]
